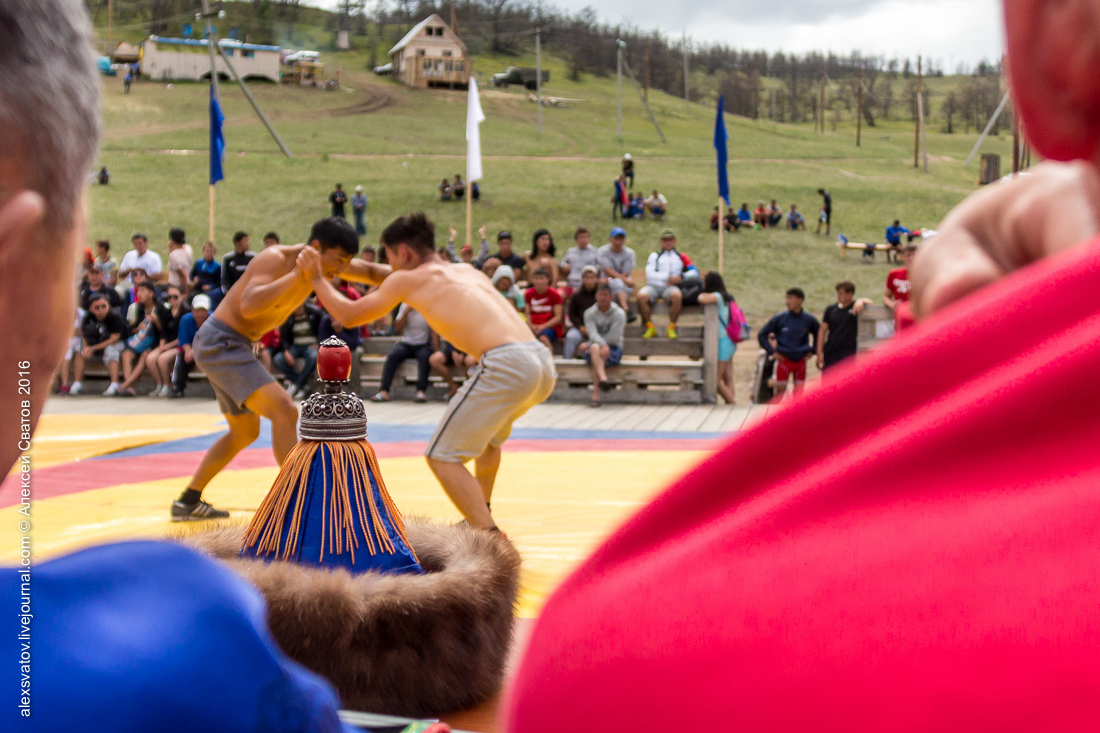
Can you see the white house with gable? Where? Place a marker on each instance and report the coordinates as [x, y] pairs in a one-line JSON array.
[[431, 55]]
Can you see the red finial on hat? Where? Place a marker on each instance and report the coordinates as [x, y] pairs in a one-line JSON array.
[[334, 360]]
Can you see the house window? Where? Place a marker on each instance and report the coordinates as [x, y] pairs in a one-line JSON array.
[[419, 52], [248, 54], [427, 65], [450, 66], [460, 65], [228, 51], [446, 53]]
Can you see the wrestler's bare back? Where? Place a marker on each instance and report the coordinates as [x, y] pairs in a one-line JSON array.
[[253, 316]]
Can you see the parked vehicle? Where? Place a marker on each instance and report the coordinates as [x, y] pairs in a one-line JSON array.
[[524, 75], [384, 69]]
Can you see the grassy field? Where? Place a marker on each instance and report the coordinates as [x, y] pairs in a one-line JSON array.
[[156, 138]]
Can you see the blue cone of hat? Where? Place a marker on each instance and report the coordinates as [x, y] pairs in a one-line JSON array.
[[329, 506]]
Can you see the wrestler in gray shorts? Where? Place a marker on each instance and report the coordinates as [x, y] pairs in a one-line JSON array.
[[507, 382], [226, 358]]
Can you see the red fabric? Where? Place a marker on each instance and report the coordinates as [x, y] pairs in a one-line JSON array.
[[897, 284], [784, 368], [540, 308], [913, 546], [270, 340]]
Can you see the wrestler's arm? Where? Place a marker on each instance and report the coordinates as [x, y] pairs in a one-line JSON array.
[[361, 271], [351, 313], [265, 286]]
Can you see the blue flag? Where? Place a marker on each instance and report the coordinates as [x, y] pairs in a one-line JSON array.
[[720, 138], [217, 139]]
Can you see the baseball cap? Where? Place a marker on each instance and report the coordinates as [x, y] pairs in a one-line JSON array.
[[618, 232], [359, 189], [667, 233], [202, 301], [504, 235], [590, 268]]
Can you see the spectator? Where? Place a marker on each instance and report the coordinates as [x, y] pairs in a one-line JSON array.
[[578, 257], [147, 318], [359, 211], [744, 215], [636, 207], [267, 348], [628, 169], [898, 288], [826, 217], [504, 280], [839, 335], [415, 343], [162, 359], [445, 357], [544, 309], [504, 255], [616, 262], [180, 257], [583, 298], [467, 254], [73, 349], [893, 237], [96, 285], [139, 257], [619, 198], [298, 348], [657, 204], [86, 263], [189, 325], [102, 332], [760, 215], [234, 264], [475, 191], [730, 220], [129, 297], [106, 263], [604, 323], [715, 217], [775, 214], [270, 239], [458, 188], [795, 220], [790, 336], [370, 254], [103, 177], [664, 271], [206, 276], [127, 81], [714, 291], [337, 199], [542, 255], [444, 190]]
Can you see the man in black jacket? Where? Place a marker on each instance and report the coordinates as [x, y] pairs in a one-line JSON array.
[[234, 264]]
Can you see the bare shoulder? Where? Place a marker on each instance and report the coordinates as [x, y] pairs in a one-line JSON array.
[[277, 259]]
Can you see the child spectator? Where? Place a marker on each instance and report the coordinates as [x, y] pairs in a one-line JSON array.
[[102, 331], [298, 348], [148, 319], [106, 262], [604, 323], [180, 258], [96, 285], [504, 280], [790, 336], [73, 349], [206, 275], [270, 239], [826, 216], [542, 255], [795, 220], [628, 168], [730, 220], [458, 188], [415, 343], [140, 257], [338, 198], [744, 215], [760, 215], [714, 291], [637, 207], [839, 336], [162, 359], [544, 309], [444, 190], [619, 198], [775, 214], [898, 288], [189, 325], [616, 262], [103, 177], [235, 263], [583, 298], [130, 296], [893, 237], [657, 204], [664, 271], [715, 217], [445, 357], [577, 258], [466, 253]]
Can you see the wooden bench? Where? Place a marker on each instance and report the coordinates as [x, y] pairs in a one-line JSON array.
[[863, 247]]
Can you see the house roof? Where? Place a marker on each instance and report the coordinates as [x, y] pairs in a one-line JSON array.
[[415, 31], [223, 42]]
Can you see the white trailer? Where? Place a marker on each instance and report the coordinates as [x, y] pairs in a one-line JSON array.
[[188, 59]]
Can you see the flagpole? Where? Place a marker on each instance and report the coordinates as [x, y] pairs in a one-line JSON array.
[[469, 211], [211, 232], [721, 229]]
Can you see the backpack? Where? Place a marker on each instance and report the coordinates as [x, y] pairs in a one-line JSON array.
[[737, 328]]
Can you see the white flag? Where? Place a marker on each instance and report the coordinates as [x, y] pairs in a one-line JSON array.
[[474, 117]]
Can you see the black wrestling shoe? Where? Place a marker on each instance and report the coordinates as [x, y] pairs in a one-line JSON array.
[[196, 512]]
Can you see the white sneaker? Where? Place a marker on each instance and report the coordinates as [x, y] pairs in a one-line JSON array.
[[75, 388], [111, 391], [292, 391], [163, 392]]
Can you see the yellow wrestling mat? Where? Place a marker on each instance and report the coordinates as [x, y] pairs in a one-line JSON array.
[[555, 498]]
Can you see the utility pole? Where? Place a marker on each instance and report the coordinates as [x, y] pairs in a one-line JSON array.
[[684, 48], [538, 73], [645, 95], [110, 25], [920, 88], [210, 48], [859, 111], [619, 44], [821, 104]]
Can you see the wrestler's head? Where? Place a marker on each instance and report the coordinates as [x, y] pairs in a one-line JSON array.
[[49, 128], [337, 242], [1053, 55], [409, 240]]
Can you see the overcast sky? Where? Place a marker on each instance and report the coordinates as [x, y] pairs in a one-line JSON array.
[[950, 31]]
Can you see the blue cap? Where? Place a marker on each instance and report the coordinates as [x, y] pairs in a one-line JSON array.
[[618, 232]]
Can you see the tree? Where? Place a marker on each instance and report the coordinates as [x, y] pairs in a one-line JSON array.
[[950, 109]]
